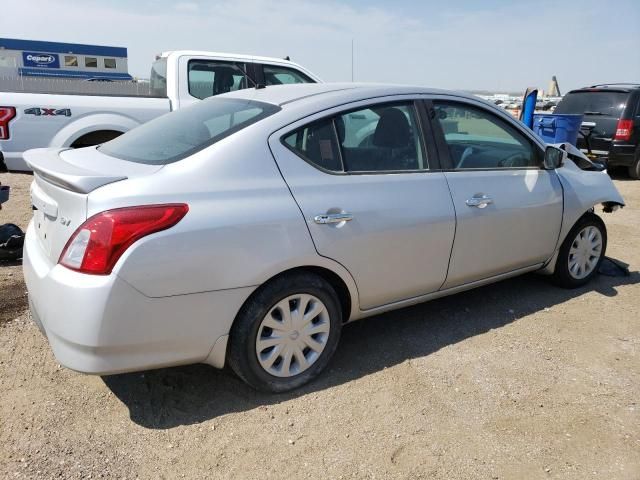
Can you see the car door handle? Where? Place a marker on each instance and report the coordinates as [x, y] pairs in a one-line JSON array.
[[480, 201], [332, 218]]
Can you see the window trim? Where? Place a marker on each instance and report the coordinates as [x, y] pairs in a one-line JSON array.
[[232, 63], [443, 147], [419, 126]]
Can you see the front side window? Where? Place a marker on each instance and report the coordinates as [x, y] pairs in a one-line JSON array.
[[109, 63], [207, 78], [91, 62], [178, 134], [70, 61], [381, 138], [479, 139], [274, 75]]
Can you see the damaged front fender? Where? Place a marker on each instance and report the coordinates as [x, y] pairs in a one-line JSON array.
[[583, 189]]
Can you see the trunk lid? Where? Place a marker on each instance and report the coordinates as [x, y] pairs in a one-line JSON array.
[[63, 181]]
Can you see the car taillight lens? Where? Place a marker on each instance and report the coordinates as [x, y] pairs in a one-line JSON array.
[[624, 130], [6, 115], [98, 243]]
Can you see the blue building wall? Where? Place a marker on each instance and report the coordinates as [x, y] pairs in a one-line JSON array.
[[67, 60]]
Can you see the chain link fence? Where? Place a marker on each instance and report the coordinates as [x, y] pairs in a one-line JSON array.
[[75, 86]]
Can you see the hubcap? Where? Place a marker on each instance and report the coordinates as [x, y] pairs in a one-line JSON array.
[[585, 252], [292, 335]]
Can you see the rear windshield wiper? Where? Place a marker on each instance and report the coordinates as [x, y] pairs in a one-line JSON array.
[[594, 113]]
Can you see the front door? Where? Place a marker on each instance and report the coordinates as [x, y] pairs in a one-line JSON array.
[[509, 210], [362, 181]]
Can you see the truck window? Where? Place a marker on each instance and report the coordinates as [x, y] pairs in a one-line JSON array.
[[275, 75], [158, 77], [178, 134], [70, 61], [109, 63], [91, 62], [207, 78]]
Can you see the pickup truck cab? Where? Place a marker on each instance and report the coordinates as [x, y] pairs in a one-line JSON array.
[[178, 78]]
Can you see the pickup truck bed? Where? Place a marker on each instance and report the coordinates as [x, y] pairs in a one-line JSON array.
[[43, 120]]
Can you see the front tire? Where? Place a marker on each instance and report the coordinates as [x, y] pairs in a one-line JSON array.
[[581, 252], [286, 333]]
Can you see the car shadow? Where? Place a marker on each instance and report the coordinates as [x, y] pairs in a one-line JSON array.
[[170, 397]]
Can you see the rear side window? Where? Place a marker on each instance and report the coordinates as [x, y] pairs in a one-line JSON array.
[[381, 138], [317, 143], [178, 134], [207, 78], [593, 103], [274, 75]]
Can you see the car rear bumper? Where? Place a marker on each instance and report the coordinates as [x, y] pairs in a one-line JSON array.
[[102, 325], [621, 155]]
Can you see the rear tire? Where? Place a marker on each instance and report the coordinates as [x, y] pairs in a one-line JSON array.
[[581, 253], [634, 170], [286, 333]]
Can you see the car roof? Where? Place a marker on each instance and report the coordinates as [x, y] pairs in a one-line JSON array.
[[608, 87], [338, 93], [227, 55]]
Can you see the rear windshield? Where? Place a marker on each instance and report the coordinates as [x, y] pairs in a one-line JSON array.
[[178, 134], [158, 78], [594, 103]]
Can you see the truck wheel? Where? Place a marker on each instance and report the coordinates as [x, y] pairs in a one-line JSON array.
[[286, 333], [634, 170], [581, 252]]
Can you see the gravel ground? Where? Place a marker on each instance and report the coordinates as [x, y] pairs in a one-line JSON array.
[[516, 380]]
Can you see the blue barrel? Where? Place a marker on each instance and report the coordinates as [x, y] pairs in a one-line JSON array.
[[557, 128]]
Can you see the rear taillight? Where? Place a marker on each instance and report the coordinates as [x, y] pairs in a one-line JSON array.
[[6, 115], [624, 130], [98, 243]]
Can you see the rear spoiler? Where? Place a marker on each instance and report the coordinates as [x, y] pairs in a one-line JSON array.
[[47, 163]]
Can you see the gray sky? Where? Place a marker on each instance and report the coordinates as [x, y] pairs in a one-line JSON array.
[[464, 44]]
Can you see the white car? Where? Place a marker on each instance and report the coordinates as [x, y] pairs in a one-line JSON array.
[[250, 227]]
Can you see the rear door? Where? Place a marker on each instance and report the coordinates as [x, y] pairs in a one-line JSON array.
[[371, 196], [509, 210], [602, 110]]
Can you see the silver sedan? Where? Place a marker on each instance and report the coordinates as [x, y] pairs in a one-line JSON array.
[[248, 228]]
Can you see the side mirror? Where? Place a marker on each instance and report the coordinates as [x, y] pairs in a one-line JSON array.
[[552, 158]]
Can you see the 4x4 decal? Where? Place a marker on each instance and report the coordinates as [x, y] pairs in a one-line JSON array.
[[48, 112]]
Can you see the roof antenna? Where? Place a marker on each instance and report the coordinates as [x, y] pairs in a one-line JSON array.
[[351, 59], [287, 58]]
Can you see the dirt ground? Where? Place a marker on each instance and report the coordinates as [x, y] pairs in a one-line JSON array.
[[516, 380]]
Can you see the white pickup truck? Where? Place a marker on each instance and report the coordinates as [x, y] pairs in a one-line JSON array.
[[178, 78]]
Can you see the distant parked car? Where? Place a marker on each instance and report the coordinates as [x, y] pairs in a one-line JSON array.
[[250, 227], [612, 111]]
